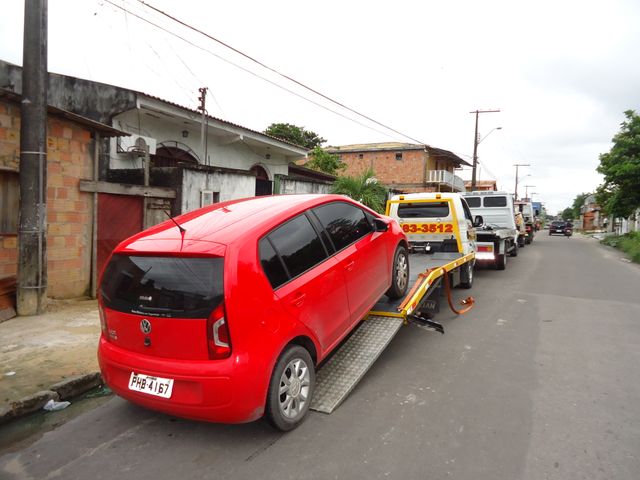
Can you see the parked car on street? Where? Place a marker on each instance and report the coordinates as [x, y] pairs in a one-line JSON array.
[[222, 314], [557, 227]]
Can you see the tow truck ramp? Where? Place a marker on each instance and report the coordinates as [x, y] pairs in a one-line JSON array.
[[336, 379], [346, 367]]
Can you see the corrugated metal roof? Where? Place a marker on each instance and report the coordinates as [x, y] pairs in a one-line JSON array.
[[375, 147], [231, 124]]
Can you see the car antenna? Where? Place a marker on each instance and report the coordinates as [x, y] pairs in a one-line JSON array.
[[181, 228]]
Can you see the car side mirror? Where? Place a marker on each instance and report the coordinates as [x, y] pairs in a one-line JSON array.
[[380, 225], [478, 221]]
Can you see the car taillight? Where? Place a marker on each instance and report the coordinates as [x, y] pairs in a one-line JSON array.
[[528, 228], [218, 335]]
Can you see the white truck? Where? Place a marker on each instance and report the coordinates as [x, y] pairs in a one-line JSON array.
[[497, 238]]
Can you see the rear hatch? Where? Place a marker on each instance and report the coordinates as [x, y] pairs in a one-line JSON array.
[[163, 306]]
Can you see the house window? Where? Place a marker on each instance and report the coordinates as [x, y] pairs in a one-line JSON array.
[[209, 197], [9, 202], [399, 156], [361, 155]]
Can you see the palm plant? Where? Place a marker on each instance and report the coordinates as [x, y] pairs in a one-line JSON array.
[[364, 188]]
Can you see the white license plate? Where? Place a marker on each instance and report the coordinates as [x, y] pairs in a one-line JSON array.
[[160, 387]]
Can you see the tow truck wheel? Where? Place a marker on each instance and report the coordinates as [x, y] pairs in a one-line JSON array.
[[501, 261], [400, 274], [291, 389], [466, 275]]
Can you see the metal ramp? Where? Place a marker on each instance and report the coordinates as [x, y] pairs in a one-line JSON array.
[[341, 373]]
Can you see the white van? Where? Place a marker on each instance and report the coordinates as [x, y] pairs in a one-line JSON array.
[[435, 222]]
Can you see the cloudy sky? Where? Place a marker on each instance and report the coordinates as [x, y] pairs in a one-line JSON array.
[[562, 72]]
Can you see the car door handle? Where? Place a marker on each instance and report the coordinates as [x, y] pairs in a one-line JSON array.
[[298, 300], [349, 266]]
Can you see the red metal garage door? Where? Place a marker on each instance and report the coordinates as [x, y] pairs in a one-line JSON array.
[[119, 217]]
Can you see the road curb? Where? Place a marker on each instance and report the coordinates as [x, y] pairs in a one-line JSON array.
[[74, 386], [71, 387]]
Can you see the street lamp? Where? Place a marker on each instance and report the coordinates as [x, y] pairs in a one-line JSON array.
[[476, 141]]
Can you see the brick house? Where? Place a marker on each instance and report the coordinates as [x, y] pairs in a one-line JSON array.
[[72, 146], [482, 185], [404, 167]]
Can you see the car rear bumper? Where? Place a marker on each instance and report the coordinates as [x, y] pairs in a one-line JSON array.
[[213, 391]]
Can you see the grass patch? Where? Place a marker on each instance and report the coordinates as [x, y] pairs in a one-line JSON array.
[[629, 243]]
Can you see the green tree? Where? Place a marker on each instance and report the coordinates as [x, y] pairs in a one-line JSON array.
[[578, 202], [567, 214], [294, 134], [619, 195], [364, 188], [324, 161]]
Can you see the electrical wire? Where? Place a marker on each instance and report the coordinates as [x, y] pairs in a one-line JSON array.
[[276, 71], [261, 77]]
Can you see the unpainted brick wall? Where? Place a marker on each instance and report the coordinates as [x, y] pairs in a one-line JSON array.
[[69, 159]]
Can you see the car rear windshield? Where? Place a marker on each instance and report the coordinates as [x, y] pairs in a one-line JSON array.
[[423, 210], [495, 201], [558, 224], [163, 286]]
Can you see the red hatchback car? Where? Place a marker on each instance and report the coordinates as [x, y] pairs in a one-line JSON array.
[[223, 315]]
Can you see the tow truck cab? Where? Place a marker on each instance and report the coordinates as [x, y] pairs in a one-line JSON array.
[[435, 222], [526, 208]]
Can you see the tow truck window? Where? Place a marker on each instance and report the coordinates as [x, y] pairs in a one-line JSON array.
[[423, 210], [495, 201], [473, 202]]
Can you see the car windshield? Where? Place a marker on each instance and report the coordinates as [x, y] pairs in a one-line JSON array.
[[163, 286]]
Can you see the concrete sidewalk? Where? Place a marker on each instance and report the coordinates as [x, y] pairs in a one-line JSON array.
[[47, 354]]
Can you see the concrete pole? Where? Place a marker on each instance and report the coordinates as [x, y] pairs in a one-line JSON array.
[[32, 237]]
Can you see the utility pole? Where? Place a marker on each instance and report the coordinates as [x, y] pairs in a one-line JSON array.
[[476, 141], [526, 191], [32, 235], [518, 165], [203, 129]]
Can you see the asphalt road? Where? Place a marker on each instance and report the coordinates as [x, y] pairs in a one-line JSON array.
[[541, 380]]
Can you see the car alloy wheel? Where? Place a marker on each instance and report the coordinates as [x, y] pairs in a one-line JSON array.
[[294, 388]]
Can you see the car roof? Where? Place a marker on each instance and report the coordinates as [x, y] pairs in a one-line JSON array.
[[222, 223]]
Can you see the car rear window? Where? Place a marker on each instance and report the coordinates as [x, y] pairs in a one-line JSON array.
[[495, 201], [163, 286], [558, 224], [423, 210], [473, 202]]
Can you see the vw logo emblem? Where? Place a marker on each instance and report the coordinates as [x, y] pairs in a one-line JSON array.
[[145, 326]]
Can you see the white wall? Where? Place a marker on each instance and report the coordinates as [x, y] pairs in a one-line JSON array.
[[229, 185], [238, 155], [289, 186]]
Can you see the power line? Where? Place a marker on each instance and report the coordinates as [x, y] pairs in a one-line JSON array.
[[287, 77], [255, 74]]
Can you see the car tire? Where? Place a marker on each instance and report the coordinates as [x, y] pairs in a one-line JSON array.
[[466, 275], [514, 251], [501, 262], [291, 388], [399, 274]]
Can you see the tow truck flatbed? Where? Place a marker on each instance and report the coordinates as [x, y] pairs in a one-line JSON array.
[[348, 365]]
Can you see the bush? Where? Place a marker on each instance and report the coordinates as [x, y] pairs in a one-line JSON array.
[[629, 243]]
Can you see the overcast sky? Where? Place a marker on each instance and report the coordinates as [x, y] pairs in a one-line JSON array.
[[562, 72]]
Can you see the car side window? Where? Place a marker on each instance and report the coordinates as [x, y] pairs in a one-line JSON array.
[[298, 245], [272, 264], [345, 223]]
